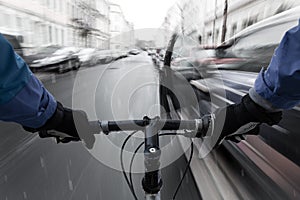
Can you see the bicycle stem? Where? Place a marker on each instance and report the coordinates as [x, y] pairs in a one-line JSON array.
[[152, 181]]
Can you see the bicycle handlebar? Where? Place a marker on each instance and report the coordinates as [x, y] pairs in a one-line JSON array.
[[199, 126], [196, 128]]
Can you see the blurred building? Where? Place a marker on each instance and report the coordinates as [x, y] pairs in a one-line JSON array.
[[191, 14], [89, 22], [194, 18], [241, 14], [121, 31], [186, 18], [57, 22]]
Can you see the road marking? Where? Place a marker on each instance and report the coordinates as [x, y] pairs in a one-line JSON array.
[[25, 195], [42, 162]]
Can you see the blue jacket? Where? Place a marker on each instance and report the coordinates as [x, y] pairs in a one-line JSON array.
[[23, 98], [278, 87]]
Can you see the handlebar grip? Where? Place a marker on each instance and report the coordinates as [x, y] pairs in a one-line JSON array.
[[59, 136], [95, 127], [203, 128]]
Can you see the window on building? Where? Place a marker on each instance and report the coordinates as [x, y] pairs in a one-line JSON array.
[[19, 23], [50, 34], [244, 24], [73, 11], [54, 5], [56, 35], [233, 29], [68, 9], [44, 35], [7, 21], [217, 35], [62, 37], [60, 5], [252, 20], [42, 2]]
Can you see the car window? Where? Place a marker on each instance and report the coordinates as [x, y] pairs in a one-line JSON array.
[[255, 48], [266, 36]]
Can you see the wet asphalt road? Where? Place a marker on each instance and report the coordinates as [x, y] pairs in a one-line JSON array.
[[36, 169]]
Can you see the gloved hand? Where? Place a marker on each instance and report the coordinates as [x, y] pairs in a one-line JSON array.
[[236, 120], [68, 125]]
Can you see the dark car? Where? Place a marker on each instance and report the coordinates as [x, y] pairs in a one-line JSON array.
[[40, 53], [15, 41], [61, 60], [255, 45], [270, 160], [134, 52]]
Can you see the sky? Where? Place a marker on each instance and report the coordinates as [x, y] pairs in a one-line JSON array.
[[145, 13]]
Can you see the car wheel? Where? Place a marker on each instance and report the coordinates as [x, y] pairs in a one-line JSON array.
[[61, 68], [76, 65], [70, 65]]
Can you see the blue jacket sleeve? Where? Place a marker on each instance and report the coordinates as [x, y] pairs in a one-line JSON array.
[[279, 84], [23, 98]]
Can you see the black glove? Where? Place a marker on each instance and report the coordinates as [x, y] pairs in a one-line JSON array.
[[73, 123], [236, 120]]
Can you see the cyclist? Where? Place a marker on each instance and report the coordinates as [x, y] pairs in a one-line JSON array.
[[24, 100], [275, 89]]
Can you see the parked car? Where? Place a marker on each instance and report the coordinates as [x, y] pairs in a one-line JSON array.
[[184, 66], [61, 60], [255, 46], [88, 56], [151, 51], [271, 158], [15, 40], [134, 52], [158, 58], [40, 53]]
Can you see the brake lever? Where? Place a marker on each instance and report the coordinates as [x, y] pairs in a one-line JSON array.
[[59, 136]]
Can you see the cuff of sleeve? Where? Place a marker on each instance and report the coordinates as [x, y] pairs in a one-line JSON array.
[[49, 111], [31, 107], [266, 96], [47, 106], [261, 101]]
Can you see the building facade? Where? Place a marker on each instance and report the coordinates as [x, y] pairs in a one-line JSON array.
[[121, 31], [56, 22], [204, 18], [241, 14]]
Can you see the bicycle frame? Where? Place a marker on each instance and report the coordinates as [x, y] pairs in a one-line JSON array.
[[152, 181]]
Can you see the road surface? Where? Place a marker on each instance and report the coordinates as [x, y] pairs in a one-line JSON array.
[[34, 168]]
